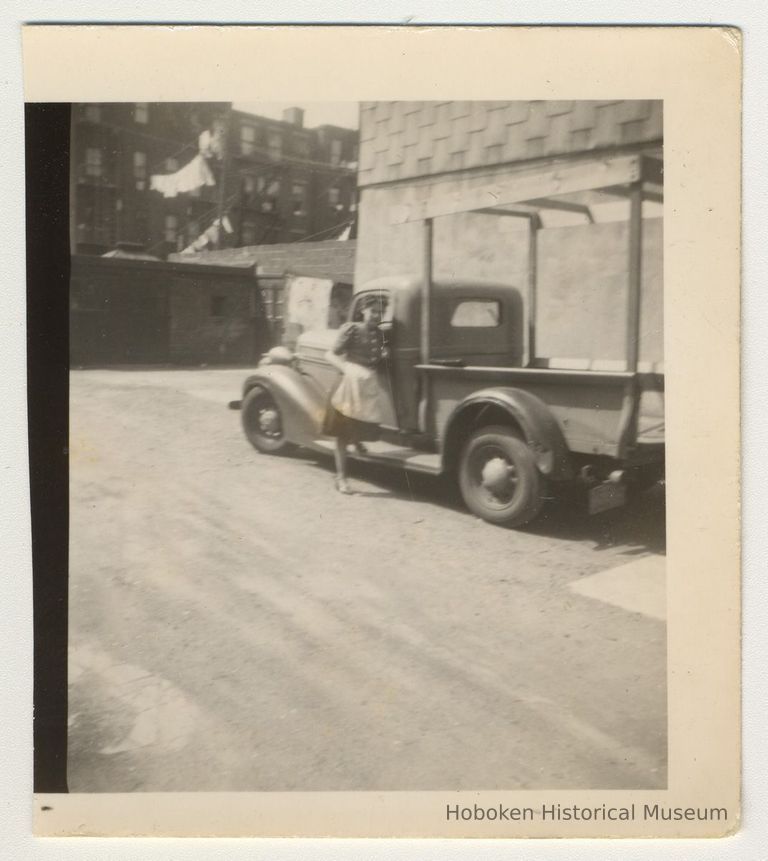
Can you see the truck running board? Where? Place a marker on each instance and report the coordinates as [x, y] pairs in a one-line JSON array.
[[385, 452]]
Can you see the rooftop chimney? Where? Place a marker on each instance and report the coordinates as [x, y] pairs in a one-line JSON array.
[[294, 116]]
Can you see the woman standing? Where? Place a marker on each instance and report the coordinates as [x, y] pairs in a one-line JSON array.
[[356, 409]]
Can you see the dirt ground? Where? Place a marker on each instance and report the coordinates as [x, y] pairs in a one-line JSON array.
[[235, 624]]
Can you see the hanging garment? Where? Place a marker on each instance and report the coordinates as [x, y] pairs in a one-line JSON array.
[[194, 175], [210, 236]]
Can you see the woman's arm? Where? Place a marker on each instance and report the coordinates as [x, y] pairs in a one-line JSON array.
[[335, 356]]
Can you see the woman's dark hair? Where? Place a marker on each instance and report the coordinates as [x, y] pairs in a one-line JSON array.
[[367, 301]]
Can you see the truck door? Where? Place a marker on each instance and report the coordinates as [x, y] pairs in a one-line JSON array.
[[477, 328]]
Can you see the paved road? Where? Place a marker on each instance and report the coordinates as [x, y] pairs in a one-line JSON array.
[[238, 625]]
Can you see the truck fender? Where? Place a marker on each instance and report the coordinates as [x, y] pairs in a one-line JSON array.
[[528, 413], [301, 401]]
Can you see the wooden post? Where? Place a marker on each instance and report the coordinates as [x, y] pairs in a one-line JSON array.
[[426, 308], [426, 292], [534, 223], [628, 418], [635, 276]]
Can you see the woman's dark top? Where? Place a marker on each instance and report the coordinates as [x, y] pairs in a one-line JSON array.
[[360, 344]]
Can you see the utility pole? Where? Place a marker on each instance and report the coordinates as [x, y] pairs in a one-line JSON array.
[[227, 123]]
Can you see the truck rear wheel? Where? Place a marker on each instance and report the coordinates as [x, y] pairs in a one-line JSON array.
[[499, 479], [262, 422]]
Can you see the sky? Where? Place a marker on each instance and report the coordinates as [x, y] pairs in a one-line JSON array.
[[316, 113]]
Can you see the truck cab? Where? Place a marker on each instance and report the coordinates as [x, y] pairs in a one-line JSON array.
[[474, 323]]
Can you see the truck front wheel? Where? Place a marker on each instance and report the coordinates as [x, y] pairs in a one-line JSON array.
[[262, 423], [499, 479]]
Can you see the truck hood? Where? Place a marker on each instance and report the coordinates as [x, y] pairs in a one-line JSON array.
[[319, 341]]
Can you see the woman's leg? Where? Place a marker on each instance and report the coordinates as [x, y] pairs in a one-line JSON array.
[[340, 457]]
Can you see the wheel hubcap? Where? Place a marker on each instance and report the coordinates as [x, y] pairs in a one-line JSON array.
[[496, 476], [269, 422]]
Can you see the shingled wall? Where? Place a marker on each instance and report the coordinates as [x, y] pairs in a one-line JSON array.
[[401, 140]]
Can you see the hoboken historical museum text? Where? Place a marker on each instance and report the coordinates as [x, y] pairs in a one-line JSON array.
[[575, 812]]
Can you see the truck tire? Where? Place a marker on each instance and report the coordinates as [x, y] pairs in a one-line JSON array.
[[499, 479], [262, 423]]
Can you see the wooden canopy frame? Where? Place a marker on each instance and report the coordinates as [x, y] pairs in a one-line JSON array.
[[525, 194]]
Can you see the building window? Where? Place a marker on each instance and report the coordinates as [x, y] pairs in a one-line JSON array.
[[171, 165], [476, 314], [272, 298], [171, 228], [248, 236], [93, 113], [275, 144], [218, 306], [334, 195], [141, 112], [299, 198], [336, 151], [301, 147], [247, 140], [94, 162], [140, 170], [88, 212], [271, 194]]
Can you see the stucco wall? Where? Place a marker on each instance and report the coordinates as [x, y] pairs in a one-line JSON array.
[[582, 289]]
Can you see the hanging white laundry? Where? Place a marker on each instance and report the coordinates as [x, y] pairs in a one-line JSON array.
[[194, 175], [210, 236]]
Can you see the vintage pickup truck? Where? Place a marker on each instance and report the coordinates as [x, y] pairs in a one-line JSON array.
[[470, 397]]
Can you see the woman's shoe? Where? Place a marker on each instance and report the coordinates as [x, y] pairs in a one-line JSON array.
[[342, 486]]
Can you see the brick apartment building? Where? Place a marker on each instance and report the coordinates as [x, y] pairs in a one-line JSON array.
[[412, 152], [281, 182]]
